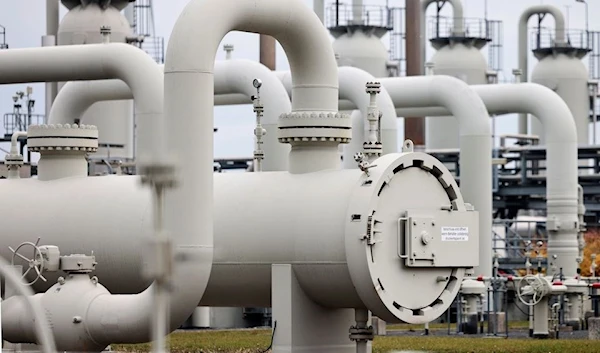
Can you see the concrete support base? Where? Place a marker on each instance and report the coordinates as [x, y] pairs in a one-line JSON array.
[[498, 322], [471, 325], [594, 328], [379, 326], [302, 325]]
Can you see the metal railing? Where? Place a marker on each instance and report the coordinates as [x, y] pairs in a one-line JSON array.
[[544, 38], [348, 15], [155, 47], [19, 122], [398, 38], [143, 19], [442, 27], [594, 55], [3, 44], [511, 237]]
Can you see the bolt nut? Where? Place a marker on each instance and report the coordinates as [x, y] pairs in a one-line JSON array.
[[77, 319], [61, 280]]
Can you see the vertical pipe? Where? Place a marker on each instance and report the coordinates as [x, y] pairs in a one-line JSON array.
[[267, 51], [319, 8], [52, 16], [50, 87], [49, 40], [414, 127], [129, 13]]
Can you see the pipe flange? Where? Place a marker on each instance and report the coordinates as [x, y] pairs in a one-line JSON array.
[[298, 127], [67, 137], [13, 159], [373, 148], [373, 87]]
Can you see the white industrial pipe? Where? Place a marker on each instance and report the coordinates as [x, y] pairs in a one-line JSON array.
[[458, 28], [322, 242], [94, 62], [49, 40], [231, 77], [319, 8], [352, 87], [561, 137], [475, 142], [523, 53], [132, 65], [50, 87], [189, 67]]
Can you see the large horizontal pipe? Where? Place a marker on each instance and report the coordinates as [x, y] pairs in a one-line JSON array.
[[260, 219], [233, 78]]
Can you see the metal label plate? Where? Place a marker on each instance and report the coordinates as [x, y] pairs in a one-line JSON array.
[[439, 238]]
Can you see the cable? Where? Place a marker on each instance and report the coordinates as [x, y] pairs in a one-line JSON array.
[[521, 310], [272, 337]]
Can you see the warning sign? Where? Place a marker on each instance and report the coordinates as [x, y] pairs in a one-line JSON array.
[[455, 233]]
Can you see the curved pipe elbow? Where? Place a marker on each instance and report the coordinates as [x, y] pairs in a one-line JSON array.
[[14, 141], [559, 37], [291, 22], [555, 12], [535, 99], [96, 62], [76, 97]]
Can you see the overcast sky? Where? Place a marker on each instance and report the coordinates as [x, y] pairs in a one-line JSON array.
[[25, 24]]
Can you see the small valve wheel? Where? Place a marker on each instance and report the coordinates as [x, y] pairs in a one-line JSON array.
[[532, 286], [36, 263]]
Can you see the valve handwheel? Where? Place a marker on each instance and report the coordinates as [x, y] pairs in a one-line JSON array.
[[36, 263], [533, 286]]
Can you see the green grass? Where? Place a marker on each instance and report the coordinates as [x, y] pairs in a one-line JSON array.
[[438, 326], [254, 341]]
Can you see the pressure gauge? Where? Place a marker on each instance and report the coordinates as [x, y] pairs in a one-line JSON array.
[[257, 83]]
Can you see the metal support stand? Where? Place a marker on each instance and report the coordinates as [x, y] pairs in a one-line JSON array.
[[304, 326], [540, 323]]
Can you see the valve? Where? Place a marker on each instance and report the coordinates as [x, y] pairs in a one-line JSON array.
[[45, 258], [259, 131], [363, 163], [372, 147], [533, 286]]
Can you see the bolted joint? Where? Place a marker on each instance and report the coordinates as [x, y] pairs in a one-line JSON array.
[[361, 334], [373, 87], [13, 161], [314, 127]]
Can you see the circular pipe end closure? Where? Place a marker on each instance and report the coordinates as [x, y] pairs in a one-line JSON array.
[[67, 137], [298, 127], [409, 238]]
